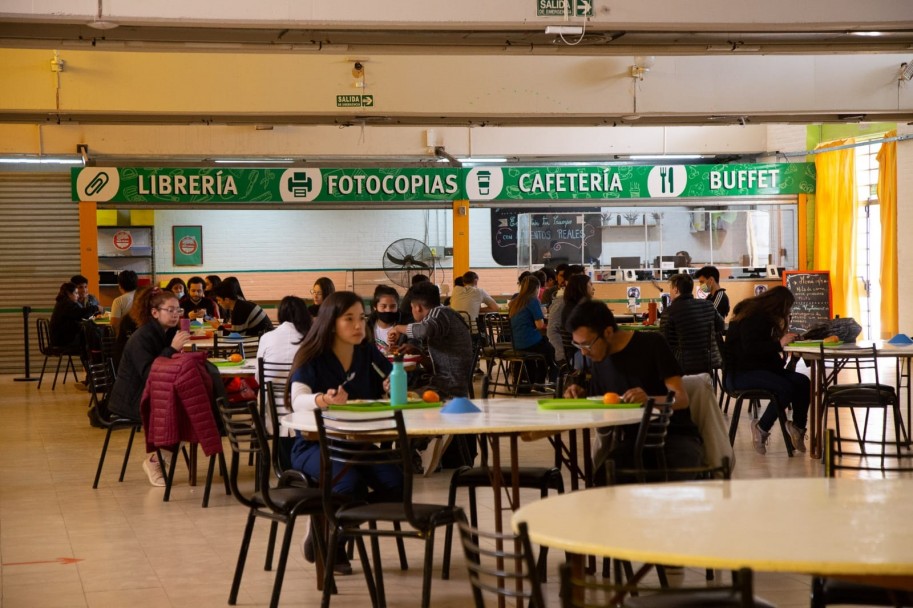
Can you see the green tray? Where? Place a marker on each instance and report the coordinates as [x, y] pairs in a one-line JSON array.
[[382, 406], [583, 404], [813, 343], [228, 363]]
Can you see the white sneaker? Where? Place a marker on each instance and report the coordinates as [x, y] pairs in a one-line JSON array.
[[797, 435], [759, 437], [154, 471]]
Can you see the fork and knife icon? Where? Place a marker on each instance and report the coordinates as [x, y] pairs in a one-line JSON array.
[[665, 172]]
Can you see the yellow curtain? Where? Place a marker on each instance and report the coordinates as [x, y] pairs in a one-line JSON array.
[[835, 225], [887, 198]]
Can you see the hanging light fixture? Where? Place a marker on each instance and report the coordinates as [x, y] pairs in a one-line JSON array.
[[99, 23]]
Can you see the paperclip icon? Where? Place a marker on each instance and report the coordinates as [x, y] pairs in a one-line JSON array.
[[97, 184]]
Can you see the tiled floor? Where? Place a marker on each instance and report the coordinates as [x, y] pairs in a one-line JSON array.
[[132, 550]]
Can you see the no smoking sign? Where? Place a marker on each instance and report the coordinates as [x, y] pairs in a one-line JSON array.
[[188, 245], [123, 240]]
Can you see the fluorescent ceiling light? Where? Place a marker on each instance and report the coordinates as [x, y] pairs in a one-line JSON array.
[[560, 30], [39, 160], [665, 156], [867, 34], [473, 160], [254, 161]]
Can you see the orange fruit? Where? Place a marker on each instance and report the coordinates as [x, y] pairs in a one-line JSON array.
[[831, 339], [430, 396], [236, 358], [610, 398]]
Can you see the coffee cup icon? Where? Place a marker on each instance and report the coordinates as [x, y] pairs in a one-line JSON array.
[[483, 178]]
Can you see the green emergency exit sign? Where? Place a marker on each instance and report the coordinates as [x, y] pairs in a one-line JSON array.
[[355, 101], [556, 8]]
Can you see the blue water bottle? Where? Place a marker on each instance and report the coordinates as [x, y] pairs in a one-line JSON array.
[[398, 382]]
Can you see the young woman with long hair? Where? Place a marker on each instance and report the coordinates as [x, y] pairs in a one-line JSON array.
[[177, 286], [758, 331], [321, 290], [577, 289], [526, 323], [333, 364], [157, 314], [384, 315]]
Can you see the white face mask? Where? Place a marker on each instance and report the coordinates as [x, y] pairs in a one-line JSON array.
[[705, 288]]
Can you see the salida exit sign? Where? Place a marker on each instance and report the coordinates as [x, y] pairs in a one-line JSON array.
[[355, 101], [556, 8]]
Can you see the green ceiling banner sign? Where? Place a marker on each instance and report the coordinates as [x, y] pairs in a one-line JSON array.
[[236, 185], [637, 182], [413, 185]]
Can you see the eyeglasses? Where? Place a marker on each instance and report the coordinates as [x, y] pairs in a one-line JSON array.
[[316, 293], [587, 345], [173, 311]]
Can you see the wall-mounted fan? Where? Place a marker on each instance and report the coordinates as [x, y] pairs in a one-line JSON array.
[[405, 258]]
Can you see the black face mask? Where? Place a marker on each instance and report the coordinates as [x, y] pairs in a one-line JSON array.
[[388, 317]]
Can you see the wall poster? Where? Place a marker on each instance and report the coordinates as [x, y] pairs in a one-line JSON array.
[[188, 245]]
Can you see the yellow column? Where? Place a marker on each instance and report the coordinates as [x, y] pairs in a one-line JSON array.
[[460, 237], [88, 243], [802, 220]]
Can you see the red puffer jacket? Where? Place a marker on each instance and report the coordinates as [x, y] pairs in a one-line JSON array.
[[177, 404]]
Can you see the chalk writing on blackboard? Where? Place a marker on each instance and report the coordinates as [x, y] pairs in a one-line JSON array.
[[554, 237], [812, 290]]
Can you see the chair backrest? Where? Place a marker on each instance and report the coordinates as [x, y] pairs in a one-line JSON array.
[[277, 373], [271, 408], [100, 376], [44, 335], [873, 456], [589, 592], [484, 551], [246, 346], [246, 436], [863, 357], [497, 328], [651, 436], [378, 438]]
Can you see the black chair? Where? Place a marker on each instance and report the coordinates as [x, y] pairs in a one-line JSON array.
[[245, 346], [828, 591], [277, 373], [754, 396], [351, 443], [509, 368], [577, 592], [101, 381], [46, 349], [283, 503], [536, 478], [490, 560]]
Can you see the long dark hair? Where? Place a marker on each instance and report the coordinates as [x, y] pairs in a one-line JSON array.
[[319, 339], [294, 310], [575, 292], [529, 289], [64, 291], [326, 287], [775, 304]]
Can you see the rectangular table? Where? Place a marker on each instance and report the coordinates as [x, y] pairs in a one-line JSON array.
[[819, 380]]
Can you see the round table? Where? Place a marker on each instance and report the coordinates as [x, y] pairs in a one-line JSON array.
[[855, 527]]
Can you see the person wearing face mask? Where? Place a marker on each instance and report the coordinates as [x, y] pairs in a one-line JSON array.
[[385, 307], [178, 287], [195, 304], [709, 279]]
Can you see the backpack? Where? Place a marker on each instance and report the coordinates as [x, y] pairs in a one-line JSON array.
[[847, 329]]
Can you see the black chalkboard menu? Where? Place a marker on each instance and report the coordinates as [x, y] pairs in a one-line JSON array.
[[554, 238], [812, 289]]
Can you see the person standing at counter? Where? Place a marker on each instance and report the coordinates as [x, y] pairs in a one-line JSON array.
[[709, 279], [245, 316], [754, 360]]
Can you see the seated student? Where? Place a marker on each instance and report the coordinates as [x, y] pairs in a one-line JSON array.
[[280, 346], [445, 335], [245, 317], [335, 363], [405, 305], [157, 313], [120, 307], [637, 366], [578, 288], [526, 323], [472, 299], [754, 359], [384, 315], [66, 324], [321, 290], [178, 287], [195, 304], [691, 327], [83, 297], [212, 281]]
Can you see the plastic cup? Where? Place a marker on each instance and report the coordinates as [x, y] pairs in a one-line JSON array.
[[185, 325]]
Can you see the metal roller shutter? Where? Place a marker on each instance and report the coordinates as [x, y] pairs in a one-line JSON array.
[[39, 249]]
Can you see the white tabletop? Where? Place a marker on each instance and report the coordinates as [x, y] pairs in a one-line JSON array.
[[497, 416], [853, 349], [812, 525]]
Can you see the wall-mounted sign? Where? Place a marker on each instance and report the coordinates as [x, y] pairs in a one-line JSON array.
[[355, 101], [123, 240], [188, 245], [436, 184], [557, 8]]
